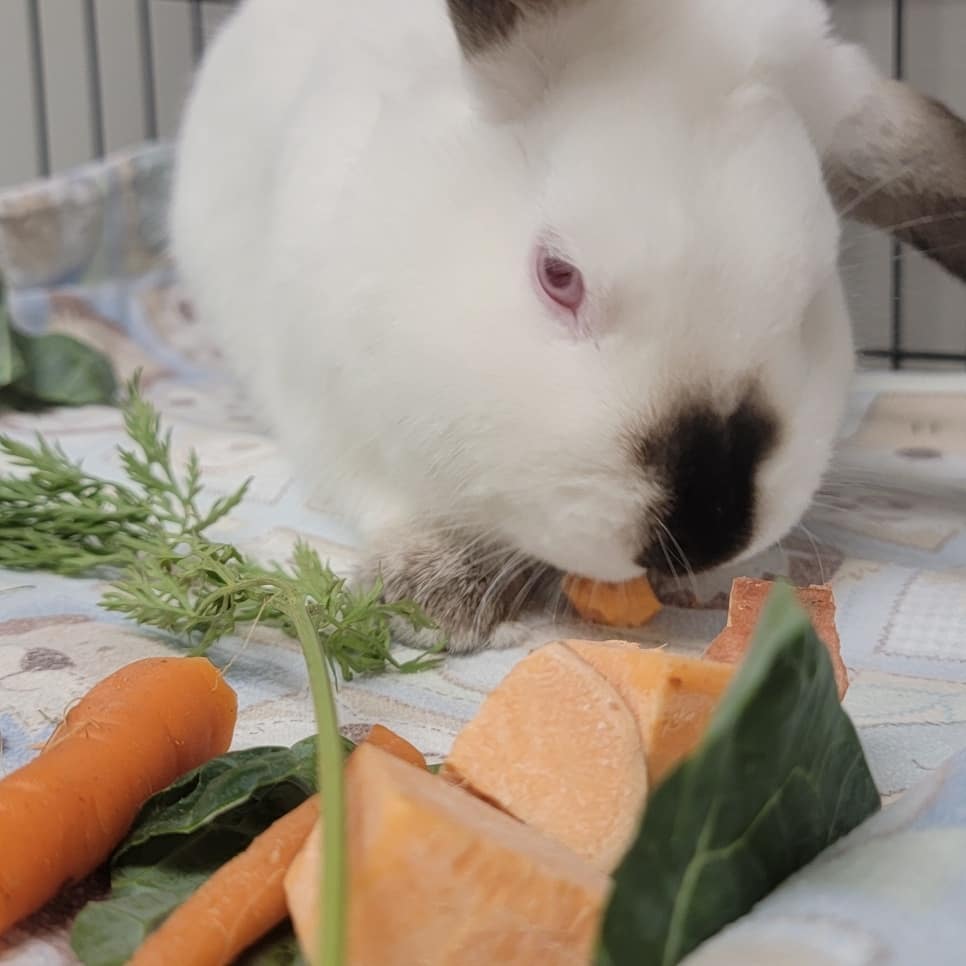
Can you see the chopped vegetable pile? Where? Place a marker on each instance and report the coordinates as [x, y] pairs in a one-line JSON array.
[[239, 834], [608, 804], [151, 529]]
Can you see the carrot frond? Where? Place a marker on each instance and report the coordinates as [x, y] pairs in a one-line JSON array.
[[150, 532]]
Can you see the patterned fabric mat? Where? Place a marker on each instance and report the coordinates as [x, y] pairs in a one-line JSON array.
[[85, 255]]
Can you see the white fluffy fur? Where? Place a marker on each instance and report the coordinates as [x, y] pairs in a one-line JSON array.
[[355, 211]]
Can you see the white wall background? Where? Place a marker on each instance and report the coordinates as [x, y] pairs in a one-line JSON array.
[[933, 307]]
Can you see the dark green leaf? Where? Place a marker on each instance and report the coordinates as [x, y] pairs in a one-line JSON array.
[[223, 786], [11, 398], [779, 776], [62, 371], [153, 882], [279, 948], [182, 836], [11, 361]]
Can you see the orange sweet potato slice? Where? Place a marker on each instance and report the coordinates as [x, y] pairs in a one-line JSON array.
[[439, 878], [555, 746], [748, 598], [629, 604], [672, 697]]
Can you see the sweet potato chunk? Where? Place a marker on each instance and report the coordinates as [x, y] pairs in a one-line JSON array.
[[498, 891], [555, 746], [748, 597], [389, 741], [672, 697], [629, 604]]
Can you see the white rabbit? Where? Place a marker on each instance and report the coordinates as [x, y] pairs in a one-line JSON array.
[[541, 285]]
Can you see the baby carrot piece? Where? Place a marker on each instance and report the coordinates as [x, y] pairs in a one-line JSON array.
[[245, 898], [133, 734], [631, 604], [238, 905]]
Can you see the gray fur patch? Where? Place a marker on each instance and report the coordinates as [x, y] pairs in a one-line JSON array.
[[484, 24], [481, 25], [474, 591]]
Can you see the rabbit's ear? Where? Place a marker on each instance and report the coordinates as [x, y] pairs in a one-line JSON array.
[[513, 49], [899, 164], [484, 26]]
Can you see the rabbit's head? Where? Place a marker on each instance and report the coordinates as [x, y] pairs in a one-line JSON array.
[[550, 280], [607, 322]]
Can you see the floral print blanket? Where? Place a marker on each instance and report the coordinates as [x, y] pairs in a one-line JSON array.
[[85, 254]]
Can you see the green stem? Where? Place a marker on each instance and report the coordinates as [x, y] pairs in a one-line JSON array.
[[331, 910]]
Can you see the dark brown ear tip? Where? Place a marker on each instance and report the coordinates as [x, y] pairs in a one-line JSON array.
[[905, 173], [483, 24], [946, 115], [944, 245]]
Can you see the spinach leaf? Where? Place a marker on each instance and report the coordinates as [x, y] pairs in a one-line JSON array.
[[278, 948], [225, 786], [149, 885], [59, 370], [182, 836], [50, 369], [37, 371], [11, 361], [779, 776]]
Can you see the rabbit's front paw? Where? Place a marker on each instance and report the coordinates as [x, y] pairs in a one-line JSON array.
[[474, 591]]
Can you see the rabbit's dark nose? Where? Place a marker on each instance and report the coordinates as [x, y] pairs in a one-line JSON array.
[[708, 463]]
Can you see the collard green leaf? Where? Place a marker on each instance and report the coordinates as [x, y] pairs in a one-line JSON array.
[[779, 776], [59, 370], [182, 836]]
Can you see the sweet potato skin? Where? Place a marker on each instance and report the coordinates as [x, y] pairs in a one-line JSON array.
[[748, 598]]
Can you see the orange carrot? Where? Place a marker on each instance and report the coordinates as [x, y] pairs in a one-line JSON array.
[[245, 898], [133, 734], [241, 902], [398, 747]]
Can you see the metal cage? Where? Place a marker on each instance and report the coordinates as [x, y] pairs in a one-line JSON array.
[[897, 353]]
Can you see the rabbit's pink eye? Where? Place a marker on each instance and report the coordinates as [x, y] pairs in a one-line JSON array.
[[560, 280]]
